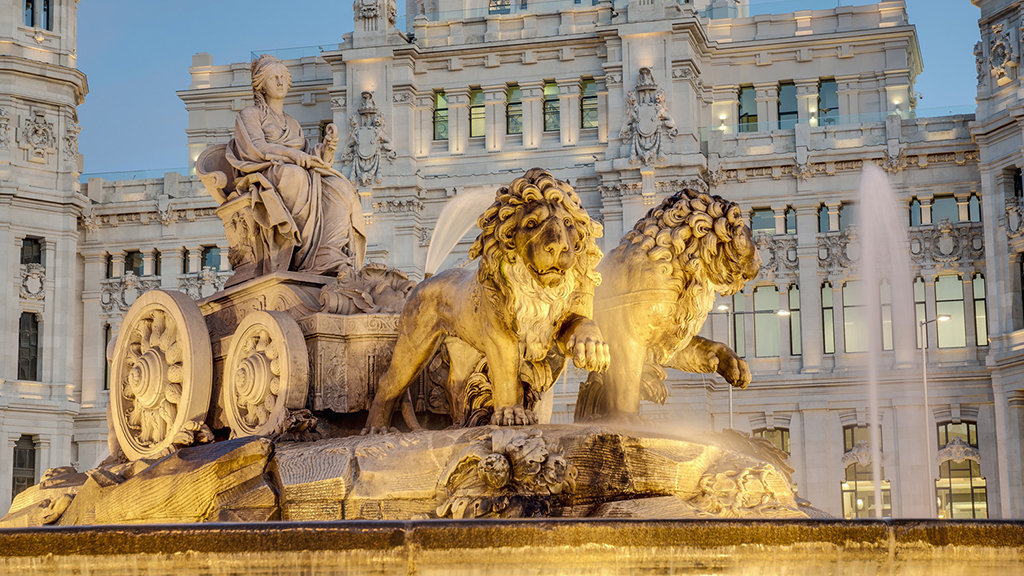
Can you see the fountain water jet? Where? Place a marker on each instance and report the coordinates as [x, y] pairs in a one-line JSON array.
[[456, 218], [884, 255]]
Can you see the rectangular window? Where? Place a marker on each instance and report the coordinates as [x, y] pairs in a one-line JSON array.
[[766, 321], [854, 325], [211, 257], [944, 208], [966, 431], [1018, 183], [885, 301], [133, 262], [787, 106], [47, 15], [847, 216], [588, 105], [795, 337], [949, 301], [24, 464], [110, 266], [31, 251], [980, 314], [156, 262], [28, 347], [514, 110], [919, 309], [961, 491], [552, 122], [440, 116], [762, 220], [186, 267], [748, 109], [828, 331], [739, 333], [779, 437], [499, 7], [477, 114], [29, 13], [828, 103], [108, 334]]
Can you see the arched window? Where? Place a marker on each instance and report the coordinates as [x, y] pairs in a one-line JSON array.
[[857, 488], [961, 489], [762, 220], [915, 212]]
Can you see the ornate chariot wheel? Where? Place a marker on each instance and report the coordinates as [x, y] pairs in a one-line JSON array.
[[266, 373], [161, 375]]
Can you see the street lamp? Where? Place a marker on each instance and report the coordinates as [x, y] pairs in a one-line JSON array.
[[929, 489], [725, 309]]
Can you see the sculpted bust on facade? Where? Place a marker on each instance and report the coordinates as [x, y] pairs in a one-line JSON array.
[[298, 214]]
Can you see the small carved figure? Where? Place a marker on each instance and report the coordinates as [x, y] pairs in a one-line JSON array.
[[532, 292], [307, 214], [658, 287]]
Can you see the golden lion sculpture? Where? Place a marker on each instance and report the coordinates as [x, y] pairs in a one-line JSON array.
[[658, 287], [531, 295]]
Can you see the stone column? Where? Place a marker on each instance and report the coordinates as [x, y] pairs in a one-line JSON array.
[[767, 98], [172, 265], [147, 263], [963, 207], [225, 264], [780, 219], [118, 265], [807, 99], [847, 88], [926, 210], [970, 324], [195, 259], [810, 288], [458, 120], [533, 113], [42, 446], [602, 111], [569, 110], [494, 102], [93, 353], [833, 217]]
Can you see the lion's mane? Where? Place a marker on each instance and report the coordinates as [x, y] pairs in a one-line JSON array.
[[499, 223], [700, 245]]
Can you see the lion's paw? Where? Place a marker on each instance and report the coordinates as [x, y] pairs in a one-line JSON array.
[[513, 416], [735, 370]]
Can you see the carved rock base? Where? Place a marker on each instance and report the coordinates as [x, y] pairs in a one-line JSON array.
[[549, 470]]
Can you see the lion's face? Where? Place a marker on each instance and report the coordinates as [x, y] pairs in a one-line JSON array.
[[546, 239], [741, 264]]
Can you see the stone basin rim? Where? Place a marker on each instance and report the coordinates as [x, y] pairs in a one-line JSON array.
[[439, 534]]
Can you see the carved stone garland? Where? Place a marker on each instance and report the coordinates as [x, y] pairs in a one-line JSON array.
[[947, 243], [860, 454], [368, 144], [1002, 59], [957, 450], [647, 120], [266, 373], [161, 376]]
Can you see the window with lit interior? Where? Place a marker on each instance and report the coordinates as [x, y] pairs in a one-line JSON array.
[[858, 488], [477, 113], [961, 490], [440, 116], [552, 122]]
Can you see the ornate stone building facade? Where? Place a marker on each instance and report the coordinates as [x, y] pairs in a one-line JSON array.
[[628, 101]]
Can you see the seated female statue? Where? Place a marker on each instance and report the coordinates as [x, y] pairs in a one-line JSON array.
[[308, 213]]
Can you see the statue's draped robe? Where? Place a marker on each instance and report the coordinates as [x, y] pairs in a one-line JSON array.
[[309, 219]]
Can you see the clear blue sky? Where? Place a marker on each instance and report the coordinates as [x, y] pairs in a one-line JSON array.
[[136, 54]]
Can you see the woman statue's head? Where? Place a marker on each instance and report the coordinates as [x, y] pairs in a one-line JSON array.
[[264, 68]]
